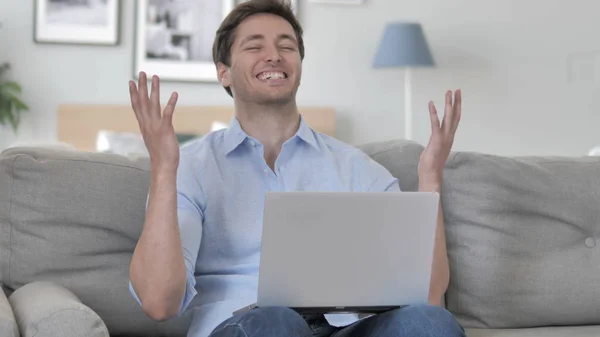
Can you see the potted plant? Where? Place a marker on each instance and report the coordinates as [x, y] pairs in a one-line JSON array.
[[11, 106]]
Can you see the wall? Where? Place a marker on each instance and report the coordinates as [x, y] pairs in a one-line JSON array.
[[528, 70]]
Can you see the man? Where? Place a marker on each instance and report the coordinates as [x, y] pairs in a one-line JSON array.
[[199, 248]]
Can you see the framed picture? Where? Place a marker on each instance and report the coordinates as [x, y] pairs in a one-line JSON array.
[[173, 39], [77, 21]]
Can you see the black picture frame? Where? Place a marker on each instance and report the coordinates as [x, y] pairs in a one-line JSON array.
[[177, 59], [77, 22]]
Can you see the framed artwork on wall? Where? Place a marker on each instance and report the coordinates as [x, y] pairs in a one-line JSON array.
[[95, 22], [173, 39]]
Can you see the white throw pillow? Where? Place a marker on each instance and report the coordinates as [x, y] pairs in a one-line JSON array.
[[123, 143], [44, 144]]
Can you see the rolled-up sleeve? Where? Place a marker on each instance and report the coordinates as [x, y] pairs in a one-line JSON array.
[[190, 216], [374, 177]]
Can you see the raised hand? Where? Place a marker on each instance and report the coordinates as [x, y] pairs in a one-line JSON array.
[[433, 159], [156, 125]]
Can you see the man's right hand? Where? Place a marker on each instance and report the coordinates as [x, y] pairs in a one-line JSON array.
[[157, 270], [156, 126]]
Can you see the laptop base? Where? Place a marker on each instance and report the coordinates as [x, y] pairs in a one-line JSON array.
[[344, 310], [330, 310]]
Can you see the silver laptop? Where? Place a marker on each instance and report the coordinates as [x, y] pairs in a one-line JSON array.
[[358, 252]]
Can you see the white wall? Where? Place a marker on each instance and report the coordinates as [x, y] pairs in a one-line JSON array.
[[528, 71]]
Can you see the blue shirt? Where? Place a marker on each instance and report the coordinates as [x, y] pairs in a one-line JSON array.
[[221, 185]]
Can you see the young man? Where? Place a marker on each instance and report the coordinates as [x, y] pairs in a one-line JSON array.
[[199, 248]]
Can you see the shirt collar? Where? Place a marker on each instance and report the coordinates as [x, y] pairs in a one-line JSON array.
[[234, 136], [307, 134]]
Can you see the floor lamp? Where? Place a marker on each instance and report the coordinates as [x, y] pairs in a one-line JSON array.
[[404, 45]]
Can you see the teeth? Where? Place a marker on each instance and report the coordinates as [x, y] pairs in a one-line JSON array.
[[271, 75]]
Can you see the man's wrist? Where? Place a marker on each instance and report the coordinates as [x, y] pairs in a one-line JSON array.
[[430, 188], [163, 173], [430, 183]]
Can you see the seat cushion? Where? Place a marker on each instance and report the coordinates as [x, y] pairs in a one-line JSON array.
[[45, 309], [583, 331], [8, 323], [523, 240], [74, 218]]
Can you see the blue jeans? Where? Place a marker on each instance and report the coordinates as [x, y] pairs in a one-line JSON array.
[[411, 321]]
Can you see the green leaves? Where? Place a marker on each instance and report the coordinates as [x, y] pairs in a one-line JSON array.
[[11, 106]]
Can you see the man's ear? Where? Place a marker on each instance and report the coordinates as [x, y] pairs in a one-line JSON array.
[[223, 73]]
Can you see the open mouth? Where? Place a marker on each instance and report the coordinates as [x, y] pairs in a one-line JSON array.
[[272, 75]]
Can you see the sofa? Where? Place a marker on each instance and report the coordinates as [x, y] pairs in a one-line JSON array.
[[522, 237]]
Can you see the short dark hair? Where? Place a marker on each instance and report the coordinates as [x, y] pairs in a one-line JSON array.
[[225, 35]]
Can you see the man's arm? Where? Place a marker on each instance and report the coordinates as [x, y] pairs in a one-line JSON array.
[[157, 270], [431, 170], [440, 274], [162, 266], [164, 261]]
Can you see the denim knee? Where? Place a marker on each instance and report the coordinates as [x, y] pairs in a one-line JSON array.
[[267, 322], [437, 321]]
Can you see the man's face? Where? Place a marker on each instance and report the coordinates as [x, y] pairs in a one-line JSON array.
[[265, 61]]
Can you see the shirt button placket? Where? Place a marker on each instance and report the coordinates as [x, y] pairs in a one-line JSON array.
[[280, 178], [271, 178]]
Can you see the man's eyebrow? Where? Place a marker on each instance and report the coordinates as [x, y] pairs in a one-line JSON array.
[[287, 37], [261, 37], [251, 38]]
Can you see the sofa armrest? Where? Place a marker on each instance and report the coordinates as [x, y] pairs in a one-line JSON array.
[[44, 309], [8, 323]]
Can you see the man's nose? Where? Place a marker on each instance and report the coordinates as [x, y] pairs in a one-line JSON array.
[[273, 55]]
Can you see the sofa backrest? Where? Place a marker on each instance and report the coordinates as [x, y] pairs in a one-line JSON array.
[[523, 235], [74, 218], [522, 232]]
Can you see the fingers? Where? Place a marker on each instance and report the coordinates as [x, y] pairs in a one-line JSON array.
[[149, 107], [133, 94], [135, 104], [447, 111], [452, 113], [155, 97], [143, 91], [169, 109], [457, 109], [433, 115]]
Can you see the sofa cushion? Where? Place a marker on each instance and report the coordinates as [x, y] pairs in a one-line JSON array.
[[8, 323], [74, 218], [523, 240], [577, 331], [45, 309]]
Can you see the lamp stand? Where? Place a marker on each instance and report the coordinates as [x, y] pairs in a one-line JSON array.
[[407, 105]]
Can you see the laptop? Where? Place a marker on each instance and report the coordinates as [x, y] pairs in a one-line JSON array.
[[346, 252]]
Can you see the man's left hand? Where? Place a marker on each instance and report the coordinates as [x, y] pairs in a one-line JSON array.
[[433, 159]]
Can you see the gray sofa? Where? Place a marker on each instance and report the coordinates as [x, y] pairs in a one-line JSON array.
[[522, 239]]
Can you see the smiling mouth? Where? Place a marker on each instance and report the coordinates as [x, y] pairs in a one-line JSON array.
[[272, 75]]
